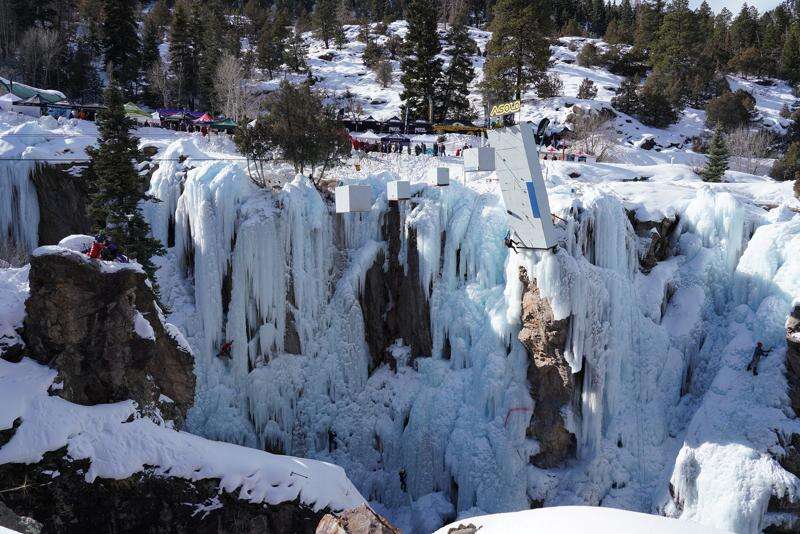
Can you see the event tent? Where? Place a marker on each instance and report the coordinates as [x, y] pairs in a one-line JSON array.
[[134, 112], [205, 118]]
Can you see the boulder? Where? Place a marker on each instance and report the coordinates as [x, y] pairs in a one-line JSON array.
[[360, 520], [98, 324], [552, 382]]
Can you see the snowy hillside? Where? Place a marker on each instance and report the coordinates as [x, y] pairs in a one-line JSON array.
[[340, 70], [664, 416]]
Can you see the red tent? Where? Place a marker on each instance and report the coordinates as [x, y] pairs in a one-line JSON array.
[[205, 118]]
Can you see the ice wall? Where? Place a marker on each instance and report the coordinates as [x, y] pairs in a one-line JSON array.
[[280, 275], [19, 206]]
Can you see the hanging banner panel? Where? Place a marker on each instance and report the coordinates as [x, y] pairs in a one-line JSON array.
[[522, 185]]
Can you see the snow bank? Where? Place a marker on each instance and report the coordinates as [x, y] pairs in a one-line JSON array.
[[118, 449], [142, 327], [101, 265], [579, 520], [13, 292]]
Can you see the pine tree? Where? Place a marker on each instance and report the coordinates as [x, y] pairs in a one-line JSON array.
[[718, 156], [626, 20], [648, 20], [383, 73], [121, 42], [459, 73], [571, 28], [209, 45], [183, 55], [373, 53], [422, 70], [270, 48], [518, 53], [744, 28], [718, 46], [151, 38], [615, 34], [676, 55], [587, 89], [788, 166], [325, 21], [115, 188], [598, 17], [295, 53], [790, 56]]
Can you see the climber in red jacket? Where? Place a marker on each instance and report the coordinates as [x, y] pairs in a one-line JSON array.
[[225, 350], [98, 245]]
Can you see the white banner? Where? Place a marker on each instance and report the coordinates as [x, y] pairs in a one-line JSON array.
[[522, 185]]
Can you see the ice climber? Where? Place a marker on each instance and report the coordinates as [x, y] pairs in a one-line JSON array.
[[759, 353], [225, 350], [98, 245]]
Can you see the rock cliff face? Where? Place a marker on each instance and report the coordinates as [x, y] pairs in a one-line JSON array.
[[793, 358], [62, 203], [790, 460], [393, 302], [361, 520], [23, 525], [552, 382], [101, 329], [654, 239], [58, 497]]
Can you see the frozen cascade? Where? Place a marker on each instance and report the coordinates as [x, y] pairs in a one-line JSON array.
[[19, 206], [629, 369], [455, 422], [724, 473]]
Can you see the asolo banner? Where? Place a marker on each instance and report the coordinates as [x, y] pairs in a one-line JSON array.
[[506, 108]]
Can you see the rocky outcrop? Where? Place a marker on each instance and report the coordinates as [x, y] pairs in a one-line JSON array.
[[550, 376], [23, 525], [361, 520], [788, 511], [55, 492], [97, 323], [654, 239], [393, 302], [793, 358], [62, 202]]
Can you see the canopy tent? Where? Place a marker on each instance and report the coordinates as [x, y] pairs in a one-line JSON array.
[[8, 100], [424, 138], [227, 125], [165, 113], [367, 137], [179, 117], [205, 118], [134, 112], [48, 96], [393, 124], [35, 100], [395, 138]]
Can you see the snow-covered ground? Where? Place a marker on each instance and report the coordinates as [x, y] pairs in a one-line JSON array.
[[579, 520], [665, 395]]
